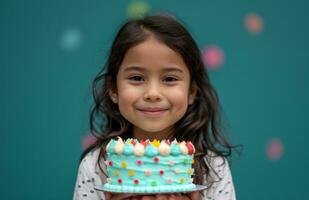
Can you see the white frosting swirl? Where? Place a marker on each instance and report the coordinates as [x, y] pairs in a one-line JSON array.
[[139, 149], [119, 146], [183, 148], [164, 149]]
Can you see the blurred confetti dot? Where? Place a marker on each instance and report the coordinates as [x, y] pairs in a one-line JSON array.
[[274, 149], [253, 23], [88, 140], [213, 57], [138, 8], [71, 39]]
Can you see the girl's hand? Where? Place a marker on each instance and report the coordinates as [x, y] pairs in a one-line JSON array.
[[114, 196], [176, 196]]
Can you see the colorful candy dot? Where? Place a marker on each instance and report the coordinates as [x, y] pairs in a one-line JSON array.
[[123, 165], [189, 171], [177, 171], [116, 172], [153, 183], [192, 161], [120, 181], [136, 181], [171, 163], [169, 181], [110, 163], [139, 162], [186, 161], [131, 173], [161, 172], [147, 173], [181, 180], [156, 159]]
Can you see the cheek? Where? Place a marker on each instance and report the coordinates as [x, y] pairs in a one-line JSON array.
[[179, 98], [128, 94]]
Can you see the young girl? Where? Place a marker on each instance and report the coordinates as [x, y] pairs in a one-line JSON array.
[[155, 86]]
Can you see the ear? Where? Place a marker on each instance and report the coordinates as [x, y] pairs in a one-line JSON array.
[[113, 95], [192, 94]]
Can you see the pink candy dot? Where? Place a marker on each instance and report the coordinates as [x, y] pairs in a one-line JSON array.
[[213, 57], [88, 140], [253, 23], [274, 149]]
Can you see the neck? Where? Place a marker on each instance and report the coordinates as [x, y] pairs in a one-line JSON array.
[[144, 135]]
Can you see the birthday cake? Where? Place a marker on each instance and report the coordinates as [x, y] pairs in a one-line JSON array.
[[149, 166]]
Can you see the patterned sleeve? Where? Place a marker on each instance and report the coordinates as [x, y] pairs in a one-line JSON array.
[[223, 188], [87, 178]]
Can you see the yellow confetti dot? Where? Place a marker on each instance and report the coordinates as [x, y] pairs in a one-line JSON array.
[[116, 172], [192, 161], [131, 173], [177, 171], [123, 165], [181, 180], [189, 171]]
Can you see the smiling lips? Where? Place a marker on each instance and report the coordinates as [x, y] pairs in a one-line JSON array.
[[152, 111]]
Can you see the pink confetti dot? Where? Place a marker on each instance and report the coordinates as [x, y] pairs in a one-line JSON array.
[[253, 23], [274, 149], [213, 57], [88, 140]]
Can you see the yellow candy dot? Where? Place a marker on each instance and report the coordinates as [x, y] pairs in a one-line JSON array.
[[192, 161], [131, 173], [116, 172], [189, 171], [123, 165], [177, 171], [181, 180]]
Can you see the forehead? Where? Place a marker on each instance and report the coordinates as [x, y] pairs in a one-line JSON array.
[[153, 55]]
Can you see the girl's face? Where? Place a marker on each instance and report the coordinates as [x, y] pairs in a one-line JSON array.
[[153, 89]]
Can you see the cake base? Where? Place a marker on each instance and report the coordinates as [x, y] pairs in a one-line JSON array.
[[150, 190]]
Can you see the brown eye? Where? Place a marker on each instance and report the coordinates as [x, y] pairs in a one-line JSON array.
[[136, 78], [169, 79]]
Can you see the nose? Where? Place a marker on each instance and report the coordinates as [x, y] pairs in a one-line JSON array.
[[153, 93]]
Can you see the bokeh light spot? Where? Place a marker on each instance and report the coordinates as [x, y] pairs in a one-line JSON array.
[[213, 57], [138, 9], [71, 39], [88, 140], [254, 23], [274, 149]]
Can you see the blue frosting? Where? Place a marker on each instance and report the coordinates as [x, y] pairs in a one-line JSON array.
[[175, 150], [151, 151], [111, 146], [128, 149]]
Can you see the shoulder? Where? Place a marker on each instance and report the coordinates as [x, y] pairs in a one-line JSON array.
[[88, 177], [89, 162], [221, 176]]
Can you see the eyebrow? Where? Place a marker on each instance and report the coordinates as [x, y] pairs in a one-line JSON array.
[[166, 69]]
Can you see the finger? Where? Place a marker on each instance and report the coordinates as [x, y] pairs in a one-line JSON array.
[[162, 197], [113, 196], [148, 197], [173, 197], [194, 195], [107, 195]]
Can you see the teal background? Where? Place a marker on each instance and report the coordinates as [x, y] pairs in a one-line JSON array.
[[51, 51]]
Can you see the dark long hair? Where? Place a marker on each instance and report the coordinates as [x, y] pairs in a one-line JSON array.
[[201, 122]]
